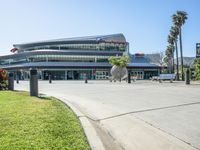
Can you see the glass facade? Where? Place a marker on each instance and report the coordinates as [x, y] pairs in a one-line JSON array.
[[144, 73], [55, 58], [111, 46], [67, 74], [80, 74], [67, 58]]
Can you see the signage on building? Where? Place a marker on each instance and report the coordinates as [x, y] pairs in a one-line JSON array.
[[198, 50], [139, 54]]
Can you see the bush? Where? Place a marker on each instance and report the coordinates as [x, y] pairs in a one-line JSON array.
[[120, 61], [3, 79], [196, 65], [198, 72]]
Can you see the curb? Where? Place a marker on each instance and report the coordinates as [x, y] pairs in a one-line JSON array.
[[90, 132]]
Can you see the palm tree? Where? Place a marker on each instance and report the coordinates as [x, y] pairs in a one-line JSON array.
[[168, 59], [171, 44], [179, 20], [174, 32]]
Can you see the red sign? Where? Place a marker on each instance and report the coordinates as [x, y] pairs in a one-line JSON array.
[[13, 50]]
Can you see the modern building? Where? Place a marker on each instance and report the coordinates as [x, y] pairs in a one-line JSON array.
[[144, 66], [74, 58]]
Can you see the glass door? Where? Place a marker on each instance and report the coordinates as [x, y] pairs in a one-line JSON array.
[[137, 74]]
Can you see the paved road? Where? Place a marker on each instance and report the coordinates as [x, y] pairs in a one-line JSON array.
[[140, 116]]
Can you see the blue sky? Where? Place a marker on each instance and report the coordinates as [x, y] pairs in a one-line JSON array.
[[145, 23]]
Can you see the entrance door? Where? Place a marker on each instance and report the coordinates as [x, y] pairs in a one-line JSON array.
[[69, 75], [149, 74], [76, 75], [138, 74]]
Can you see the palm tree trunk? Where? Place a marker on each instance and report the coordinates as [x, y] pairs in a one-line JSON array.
[[177, 64], [169, 66], [181, 50], [173, 62]]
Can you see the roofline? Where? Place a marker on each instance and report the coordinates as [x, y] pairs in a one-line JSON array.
[[84, 39]]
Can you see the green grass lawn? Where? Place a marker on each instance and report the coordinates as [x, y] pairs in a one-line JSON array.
[[33, 123]]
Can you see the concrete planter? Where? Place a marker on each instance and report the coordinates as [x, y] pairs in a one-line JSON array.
[[119, 73]]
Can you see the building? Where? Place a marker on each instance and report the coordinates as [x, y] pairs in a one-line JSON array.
[[144, 66], [74, 58]]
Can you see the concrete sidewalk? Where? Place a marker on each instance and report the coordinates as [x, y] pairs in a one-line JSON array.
[[142, 115]]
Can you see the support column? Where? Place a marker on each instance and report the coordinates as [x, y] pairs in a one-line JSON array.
[[72, 75], [65, 74], [159, 70], [42, 74]]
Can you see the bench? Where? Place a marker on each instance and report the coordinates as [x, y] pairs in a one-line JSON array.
[[170, 77]]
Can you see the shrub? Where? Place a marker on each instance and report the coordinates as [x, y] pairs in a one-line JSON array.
[[3, 79], [196, 65], [120, 61], [198, 72]]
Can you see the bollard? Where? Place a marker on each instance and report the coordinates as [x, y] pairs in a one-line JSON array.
[[86, 81], [33, 82], [129, 77], [11, 81], [187, 76], [17, 77], [50, 80]]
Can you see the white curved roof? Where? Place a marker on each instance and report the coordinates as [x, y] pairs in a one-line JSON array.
[[117, 38]]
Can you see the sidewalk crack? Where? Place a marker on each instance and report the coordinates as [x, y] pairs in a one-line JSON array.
[[146, 110], [166, 132]]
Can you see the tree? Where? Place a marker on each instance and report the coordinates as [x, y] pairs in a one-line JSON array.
[[162, 61], [179, 20], [174, 32], [169, 55], [120, 61], [171, 48]]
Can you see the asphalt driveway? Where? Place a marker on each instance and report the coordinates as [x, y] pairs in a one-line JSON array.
[[141, 115]]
